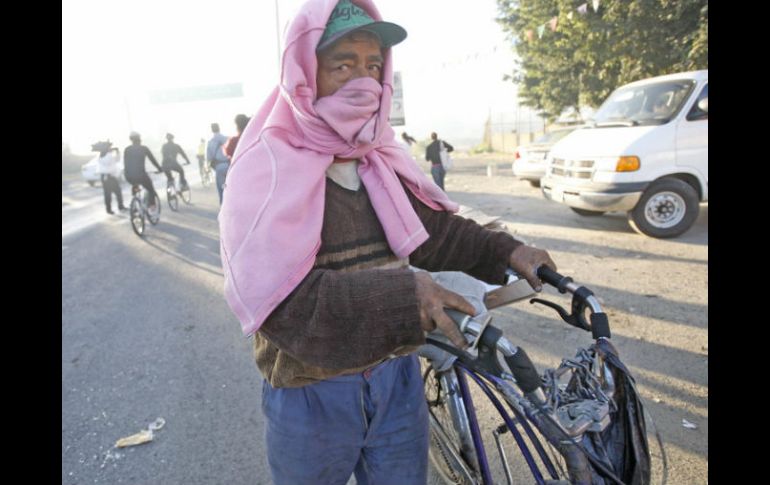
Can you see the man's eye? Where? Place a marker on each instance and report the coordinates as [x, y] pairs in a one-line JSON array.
[[375, 66], [343, 67]]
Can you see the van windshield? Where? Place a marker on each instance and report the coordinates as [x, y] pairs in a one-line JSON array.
[[649, 104]]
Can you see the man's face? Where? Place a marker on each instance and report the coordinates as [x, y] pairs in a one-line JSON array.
[[355, 55]]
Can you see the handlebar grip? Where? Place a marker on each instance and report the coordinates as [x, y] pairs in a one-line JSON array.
[[523, 370], [600, 325], [553, 278], [548, 275]]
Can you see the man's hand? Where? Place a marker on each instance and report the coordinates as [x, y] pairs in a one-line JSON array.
[[432, 298], [526, 259]]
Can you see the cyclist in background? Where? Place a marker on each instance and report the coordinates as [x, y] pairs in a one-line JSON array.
[[169, 151], [133, 160]]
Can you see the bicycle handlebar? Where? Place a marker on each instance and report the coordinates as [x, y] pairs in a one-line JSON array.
[[551, 277], [582, 298]]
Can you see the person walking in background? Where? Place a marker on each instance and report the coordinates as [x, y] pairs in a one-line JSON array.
[[216, 157], [241, 121], [408, 139], [109, 170], [201, 155], [407, 142], [433, 155]]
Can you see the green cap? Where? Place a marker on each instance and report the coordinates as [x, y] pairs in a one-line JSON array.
[[346, 17]]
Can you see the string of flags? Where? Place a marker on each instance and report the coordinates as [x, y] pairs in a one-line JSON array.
[[552, 23]]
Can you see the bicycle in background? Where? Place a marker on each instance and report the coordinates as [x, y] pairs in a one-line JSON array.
[[173, 194], [207, 175], [140, 209]]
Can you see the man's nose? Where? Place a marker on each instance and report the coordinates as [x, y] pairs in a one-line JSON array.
[[361, 71]]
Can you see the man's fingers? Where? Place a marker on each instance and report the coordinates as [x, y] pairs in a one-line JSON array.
[[449, 328], [456, 302], [533, 280]]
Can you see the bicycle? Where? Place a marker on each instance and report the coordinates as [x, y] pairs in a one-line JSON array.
[[567, 423], [207, 175], [173, 194], [139, 209]]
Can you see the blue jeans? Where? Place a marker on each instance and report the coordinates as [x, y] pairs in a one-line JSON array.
[[438, 173], [373, 424], [221, 171]]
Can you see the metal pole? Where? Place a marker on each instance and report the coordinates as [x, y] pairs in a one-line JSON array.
[[128, 114], [277, 38], [502, 132]]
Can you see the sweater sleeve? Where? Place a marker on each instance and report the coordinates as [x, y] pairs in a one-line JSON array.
[[459, 244], [342, 320]]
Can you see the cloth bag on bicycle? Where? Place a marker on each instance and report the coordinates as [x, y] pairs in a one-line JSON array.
[[623, 444]]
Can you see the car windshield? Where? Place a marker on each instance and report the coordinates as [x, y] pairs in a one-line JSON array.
[[649, 104], [553, 137]]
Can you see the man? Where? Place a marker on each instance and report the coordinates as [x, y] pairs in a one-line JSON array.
[[217, 159], [108, 168], [241, 121], [322, 216], [169, 151], [433, 155], [134, 157]]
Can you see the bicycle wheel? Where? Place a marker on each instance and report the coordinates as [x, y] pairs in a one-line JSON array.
[[448, 457], [154, 214], [445, 441], [186, 194], [137, 217], [173, 200]]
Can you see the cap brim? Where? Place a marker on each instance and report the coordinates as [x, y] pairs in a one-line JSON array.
[[389, 34]]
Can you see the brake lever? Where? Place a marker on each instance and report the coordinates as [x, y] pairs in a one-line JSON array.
[[574, 319]]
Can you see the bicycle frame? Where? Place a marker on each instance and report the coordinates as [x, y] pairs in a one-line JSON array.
[[460, 403]]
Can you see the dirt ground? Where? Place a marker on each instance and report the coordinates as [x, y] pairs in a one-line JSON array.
[[655, 292]]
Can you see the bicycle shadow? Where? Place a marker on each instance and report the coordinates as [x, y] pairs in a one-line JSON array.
[[194, 246]]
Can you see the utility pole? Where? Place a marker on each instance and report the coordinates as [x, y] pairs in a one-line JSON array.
[[128, 114], [278, 39], [502, 132]]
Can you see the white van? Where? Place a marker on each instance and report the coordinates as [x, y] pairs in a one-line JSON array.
[[645, 152]]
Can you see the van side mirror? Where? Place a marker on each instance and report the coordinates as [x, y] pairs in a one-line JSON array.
[[703, 104]]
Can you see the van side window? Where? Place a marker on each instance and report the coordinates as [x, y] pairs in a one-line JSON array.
[[697, 113]]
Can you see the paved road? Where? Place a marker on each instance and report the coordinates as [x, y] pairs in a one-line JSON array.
[[146, 332]]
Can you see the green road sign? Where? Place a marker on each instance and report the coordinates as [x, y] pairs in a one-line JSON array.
[[196, 93]]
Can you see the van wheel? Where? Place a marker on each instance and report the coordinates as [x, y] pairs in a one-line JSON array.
[[667, 208], [586, 213], [92, 183], [534, 183]]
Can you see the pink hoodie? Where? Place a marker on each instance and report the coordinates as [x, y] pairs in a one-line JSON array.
[[272, 212]]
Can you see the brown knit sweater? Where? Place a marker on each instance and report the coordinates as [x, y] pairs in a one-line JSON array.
[[357, 306]]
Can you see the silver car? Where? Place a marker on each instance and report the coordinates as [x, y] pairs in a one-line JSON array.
[[530, 161]]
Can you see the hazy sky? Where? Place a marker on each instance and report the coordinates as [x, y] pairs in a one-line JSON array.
[[115, 51]]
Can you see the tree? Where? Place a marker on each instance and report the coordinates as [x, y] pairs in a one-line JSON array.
[[590, 54]]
